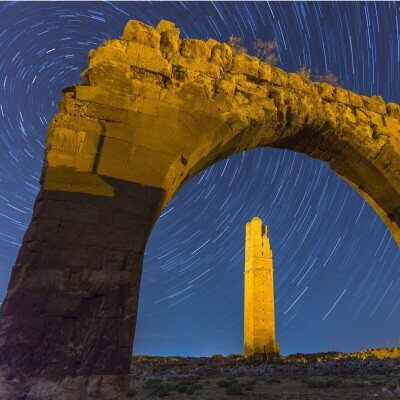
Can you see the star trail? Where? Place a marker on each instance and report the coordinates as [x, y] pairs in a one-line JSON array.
[[337, 275]]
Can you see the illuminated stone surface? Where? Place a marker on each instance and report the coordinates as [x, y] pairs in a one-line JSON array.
[[259, 310], [155, 110]]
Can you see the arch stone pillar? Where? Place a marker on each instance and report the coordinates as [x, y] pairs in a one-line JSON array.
[[153, 111]]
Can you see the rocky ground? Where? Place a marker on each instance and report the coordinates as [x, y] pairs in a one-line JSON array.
[[333, 375]]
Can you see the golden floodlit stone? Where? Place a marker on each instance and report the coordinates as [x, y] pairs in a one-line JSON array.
[[259, 304]]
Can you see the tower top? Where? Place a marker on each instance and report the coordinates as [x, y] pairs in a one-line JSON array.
[[257, 241], [255, 224]]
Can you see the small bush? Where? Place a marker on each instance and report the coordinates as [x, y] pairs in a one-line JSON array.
[[234, 389], [304, 72], [330, 78], [180, 387], [150, 383], [223, 383], [162, 390], [271, 381], [235, 356], [266, 51], [392, 387], [197, 386], [318, 383], [158, 388], [188, 387], [236, 43]]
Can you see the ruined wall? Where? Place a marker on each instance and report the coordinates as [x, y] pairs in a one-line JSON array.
[[154, 110]]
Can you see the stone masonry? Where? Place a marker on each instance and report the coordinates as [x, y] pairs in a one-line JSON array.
[[153, 111], [259, 303]]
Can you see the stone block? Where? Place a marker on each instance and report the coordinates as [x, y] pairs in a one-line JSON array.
[[141, 33], [379, 99], [225, 87], [114, 50], [326, 91], [104, 282], [63, 304], [245, 64], [66, 255], [79, 123], [212, 42], [115, 157], [135, 191], [342, 95], [84, 234], [296, 82], [170, 42], [135, 206], [114, 77], [148, 167], [106, 216], [94, 94], [193, 48], [125, 329], [193, 65], [393, 110], [71, 106], [362, 116], [374, 105], [106, 112], [58, 179], [165, 25], [129, 221], [121, 260], [148, 58], [26, 333], [26, 299], [46, 230], [122, 239], [279, 77], [45, 277], [151, 92], [65, 211], [221, 55], [110, 305], [128, 292], [355, 100]]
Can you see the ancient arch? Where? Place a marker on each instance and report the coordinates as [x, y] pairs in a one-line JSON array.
[[153, 111]]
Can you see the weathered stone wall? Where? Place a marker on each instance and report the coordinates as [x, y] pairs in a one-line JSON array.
[[154, 110]]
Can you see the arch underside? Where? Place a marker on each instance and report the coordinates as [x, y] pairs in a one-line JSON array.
[[155, 110]]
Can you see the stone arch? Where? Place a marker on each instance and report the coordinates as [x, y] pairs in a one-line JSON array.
[[153, 111]]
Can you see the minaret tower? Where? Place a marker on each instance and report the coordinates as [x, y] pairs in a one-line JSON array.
[[259, 314]]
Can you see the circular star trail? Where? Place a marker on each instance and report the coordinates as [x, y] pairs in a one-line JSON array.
[[337, 275]]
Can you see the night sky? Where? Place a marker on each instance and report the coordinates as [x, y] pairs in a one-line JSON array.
[[337, 275]]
